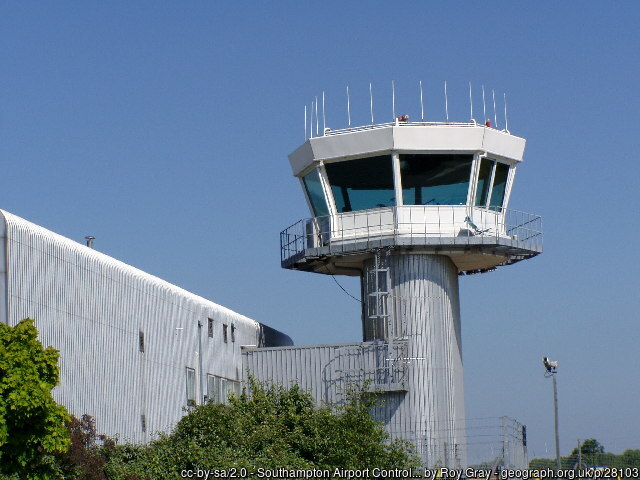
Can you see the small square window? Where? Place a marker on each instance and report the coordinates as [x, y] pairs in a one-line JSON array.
[[224, 332], [210, 327], [141, 341]]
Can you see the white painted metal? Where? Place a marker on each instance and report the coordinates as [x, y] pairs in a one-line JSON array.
[[92, 308], [407, 137]]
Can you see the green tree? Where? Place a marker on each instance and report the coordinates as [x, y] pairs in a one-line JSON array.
[[592, 454], [32, 424], [267, 427]]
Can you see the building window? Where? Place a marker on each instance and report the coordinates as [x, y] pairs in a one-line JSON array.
[[362, 184], [141, 341], [191, 387], [233, 333], [499, 185], [219, 388], [224, 332], [491, 194], [143, 422], [484, 179], [430, 179], [315, 193], [210, 327]]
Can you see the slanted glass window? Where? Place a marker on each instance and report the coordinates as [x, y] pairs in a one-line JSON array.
[[191, 387], [362, 184], [435, 179], [484, 179], [315, 193], [499, 185]]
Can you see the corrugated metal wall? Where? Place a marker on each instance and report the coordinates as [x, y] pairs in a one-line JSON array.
[[92, 308]]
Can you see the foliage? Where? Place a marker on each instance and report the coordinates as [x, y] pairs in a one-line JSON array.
[[85, 459], [592, 455], [32, 424], [266, 428]]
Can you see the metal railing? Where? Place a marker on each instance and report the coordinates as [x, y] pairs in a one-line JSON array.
[[412, 225], [375, 126]]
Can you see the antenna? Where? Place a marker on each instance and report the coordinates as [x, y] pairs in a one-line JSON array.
[[305, 122], [446, 102], [393, 99], [421, 104], [470, 100], [484, 107], [348, 106], [495, 115], [506, 119], [311, 121], [317, 123], [324, 118], [371, 101]]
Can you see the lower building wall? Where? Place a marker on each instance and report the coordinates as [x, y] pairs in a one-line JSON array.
[[125, 338]]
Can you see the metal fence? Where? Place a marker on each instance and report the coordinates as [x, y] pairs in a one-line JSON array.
[[413, 225], [484, 443]]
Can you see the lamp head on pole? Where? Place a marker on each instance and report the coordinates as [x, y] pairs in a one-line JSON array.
[[549, 365]]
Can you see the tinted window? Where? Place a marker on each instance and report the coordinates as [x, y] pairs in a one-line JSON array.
[[435, 179], [484, 178], [361, 184], [314, 192], [499, 185]]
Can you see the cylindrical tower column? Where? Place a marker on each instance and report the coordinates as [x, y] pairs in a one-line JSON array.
[[422, 309]]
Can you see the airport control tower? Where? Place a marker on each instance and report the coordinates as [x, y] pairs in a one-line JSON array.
[[409, 207]]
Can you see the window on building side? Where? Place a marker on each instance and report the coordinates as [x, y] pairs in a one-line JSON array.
[[315, 193], [362, 184], [143, 422], [224, 332], [141, 341], [219, 388], [191, 387], [210, 327], [434, 179], [233, 333], [492, 183]]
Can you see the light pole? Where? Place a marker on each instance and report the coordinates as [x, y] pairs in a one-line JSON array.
[[552, 369]]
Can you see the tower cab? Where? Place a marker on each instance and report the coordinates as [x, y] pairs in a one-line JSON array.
[[439, 188]]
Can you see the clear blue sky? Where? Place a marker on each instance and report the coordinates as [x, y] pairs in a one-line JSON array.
[[163, 129]]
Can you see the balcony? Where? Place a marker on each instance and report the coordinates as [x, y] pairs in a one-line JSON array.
[[476, 238]]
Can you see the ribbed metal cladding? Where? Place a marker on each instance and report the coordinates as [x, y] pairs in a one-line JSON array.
[[92, 308], [424, 308]]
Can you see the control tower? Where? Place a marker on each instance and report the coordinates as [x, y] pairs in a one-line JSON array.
[[410, 207]]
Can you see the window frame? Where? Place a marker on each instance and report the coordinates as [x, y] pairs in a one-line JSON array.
[[191, 375], [507, 186], [470, 181]]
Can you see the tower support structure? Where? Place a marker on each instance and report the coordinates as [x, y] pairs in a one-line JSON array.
[[424, 310]]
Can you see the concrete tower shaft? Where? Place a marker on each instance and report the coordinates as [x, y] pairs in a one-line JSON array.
[[421, 307]]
